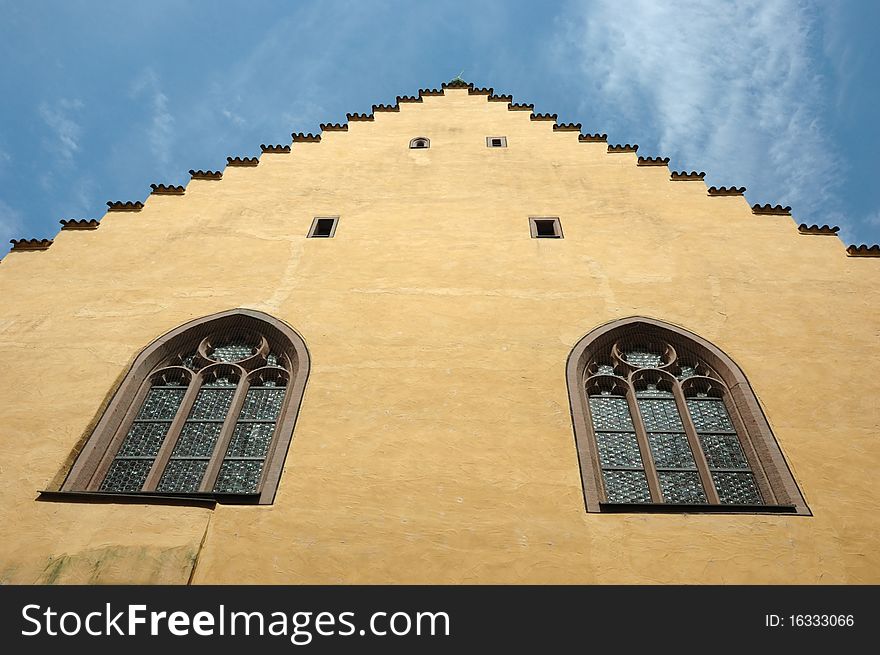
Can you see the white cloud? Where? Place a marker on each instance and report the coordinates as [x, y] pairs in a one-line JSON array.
[[10, 225], [730, 88], [65, 129], [161, 129]]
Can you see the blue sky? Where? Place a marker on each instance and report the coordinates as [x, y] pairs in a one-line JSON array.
[[100, 99]]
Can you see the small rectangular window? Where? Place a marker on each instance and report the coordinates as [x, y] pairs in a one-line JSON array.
[[496, 141], [323, 227], [545, 228]]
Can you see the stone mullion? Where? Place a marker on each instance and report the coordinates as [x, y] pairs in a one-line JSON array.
[[644, 444], [696, 447], [226, 432], [164, 454]]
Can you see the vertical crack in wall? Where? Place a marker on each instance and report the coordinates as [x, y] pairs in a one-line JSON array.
[[192, 572]]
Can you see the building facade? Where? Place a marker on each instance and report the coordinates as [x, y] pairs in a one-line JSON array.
[[450, 341]]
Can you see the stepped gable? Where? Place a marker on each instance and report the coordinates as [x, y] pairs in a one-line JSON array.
[[205, 175], [302, 137], [406, 99], [773, 210], [242, 161], [592, 138], [500, 98], [617, 147], [385, 108], [274, 149], [30, 244], [543, 117], [127, 206], [863, 250], [726, 191], [334, 127], [166, 190], [803, 228], [354, 118], [567, 127], [653, 161], [684, 175], [520, 106], [79, 223]]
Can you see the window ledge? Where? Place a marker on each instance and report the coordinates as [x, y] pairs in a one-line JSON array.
[[206, 500], [672, 508]]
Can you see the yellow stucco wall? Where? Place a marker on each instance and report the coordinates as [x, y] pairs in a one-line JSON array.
[[434, 442]]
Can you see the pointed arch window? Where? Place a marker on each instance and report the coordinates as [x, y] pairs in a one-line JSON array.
[[665, 421], [206, 411]]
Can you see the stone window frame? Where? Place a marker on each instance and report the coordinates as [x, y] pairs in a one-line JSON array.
[[99, 449], [501, 139], [312, 234], [557, 227], [772, 473], [420, 143]]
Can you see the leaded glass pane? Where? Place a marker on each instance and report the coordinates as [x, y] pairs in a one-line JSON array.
[[660, 415], [183, 475], [643, 358], [671, 450], [626, 487], [234, 351], [251, 440], [618, 449], [737, 488], [126, 475], [681, 487], [190, 361], [604, 369], [144, 439], [686, 372], [161, 404], [723, 451], [212, 403], [610, 413], [262, 404], [274, 360], [653, 391], [197, 439], [710, 415], [239, 476]]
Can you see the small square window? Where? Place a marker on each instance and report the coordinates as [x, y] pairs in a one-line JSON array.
[[545, 228], [496, 141], [323, 227]]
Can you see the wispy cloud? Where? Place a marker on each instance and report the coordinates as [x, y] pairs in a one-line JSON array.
[[728, 88], [66, 131], [10, 224], [161, 128]]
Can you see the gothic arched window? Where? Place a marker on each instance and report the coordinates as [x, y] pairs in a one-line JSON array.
[[665, 421], [206, 411]]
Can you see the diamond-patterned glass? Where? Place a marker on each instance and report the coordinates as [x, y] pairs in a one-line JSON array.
[[737, 488], [610, 413], [671, 450], [183, 475], [161, 404], [710, 415], [251, 440], [660, 415], [626, 487], [126, 475], [262, 404], [723, 451], [618, 449], [144, 439], [643, 358], [239, 476], [212, 403], [196, 440], [232, 352], [686, 372], [681, 487]]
